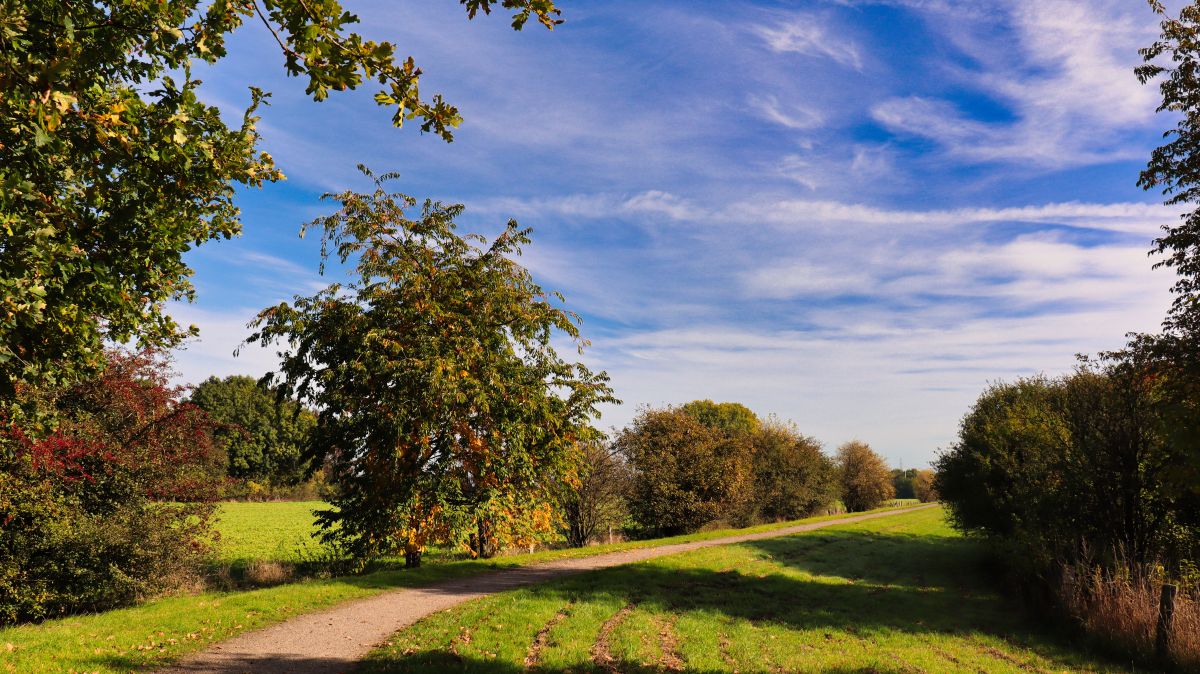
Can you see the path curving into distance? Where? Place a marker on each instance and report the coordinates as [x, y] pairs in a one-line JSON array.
[[334, 640]]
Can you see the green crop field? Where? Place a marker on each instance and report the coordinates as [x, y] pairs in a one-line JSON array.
[[273, 531], [903, 594]]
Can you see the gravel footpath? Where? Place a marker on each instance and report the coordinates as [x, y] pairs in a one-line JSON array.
[[334, 640]]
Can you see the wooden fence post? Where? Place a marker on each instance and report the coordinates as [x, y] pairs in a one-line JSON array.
[[1166, 618]]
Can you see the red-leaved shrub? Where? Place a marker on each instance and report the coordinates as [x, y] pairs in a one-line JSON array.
[[106, 499]]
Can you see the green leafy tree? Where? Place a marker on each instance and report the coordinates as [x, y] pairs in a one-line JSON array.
[[902, 483], [264, 437], [1174, 61], [1173, 358], [686, 474], [1045, 465], [999, 476], [729, 418], [443, 409], [865, 478], [594, 501], [792, 476], [111, 166]]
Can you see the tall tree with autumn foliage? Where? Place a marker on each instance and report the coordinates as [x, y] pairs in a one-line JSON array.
[[866, 479], [442, 407]]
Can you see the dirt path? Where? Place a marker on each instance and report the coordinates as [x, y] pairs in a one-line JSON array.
[[334, 640]]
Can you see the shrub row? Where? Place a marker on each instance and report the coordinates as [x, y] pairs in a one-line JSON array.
[[677, 469]]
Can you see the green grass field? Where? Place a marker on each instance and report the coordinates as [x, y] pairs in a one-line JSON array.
[[275, 531], [281, 531], [903, 594], [126, 640]]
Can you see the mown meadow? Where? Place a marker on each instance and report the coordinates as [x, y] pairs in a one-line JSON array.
[[162, 630], [901, 594]]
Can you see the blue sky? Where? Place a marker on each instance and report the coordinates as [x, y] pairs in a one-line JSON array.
[[853, 215]]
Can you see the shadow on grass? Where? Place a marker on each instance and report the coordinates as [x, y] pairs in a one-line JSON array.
[[921, 561], [861, 583]]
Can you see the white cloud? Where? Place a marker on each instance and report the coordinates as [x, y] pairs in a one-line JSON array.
[[807, 34], [1129, 217], [795, 116], [802, 170], [803, 278], [1064, 68], [212, 353]]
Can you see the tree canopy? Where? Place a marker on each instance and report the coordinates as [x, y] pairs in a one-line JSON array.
[[262, 435], [729, 418], [866, 480], [112, 166], [792, 476], [686, 474], [444, 411]]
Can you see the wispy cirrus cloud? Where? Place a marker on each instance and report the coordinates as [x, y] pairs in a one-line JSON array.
[[1133, 217], [1062, 68], [808, 34], [796, 116]]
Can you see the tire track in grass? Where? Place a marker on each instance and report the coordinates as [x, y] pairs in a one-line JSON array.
[[726, 656], [534, 657], [668, 639], [601, 650]]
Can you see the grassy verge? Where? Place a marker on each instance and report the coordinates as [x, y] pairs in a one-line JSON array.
[[166, 629], [901, 594]]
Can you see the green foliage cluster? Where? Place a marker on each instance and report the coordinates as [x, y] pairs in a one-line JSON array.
[[445, 413], [263, 436], [112, 167], [902, 482], [1076, 466], [1173, 357], [729, 418], [865, 478], [685, 474], [703, 461], [793, 477], [89, 511]]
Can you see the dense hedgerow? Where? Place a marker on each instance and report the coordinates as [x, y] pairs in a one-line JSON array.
[[1056, 466], [105, 500]]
